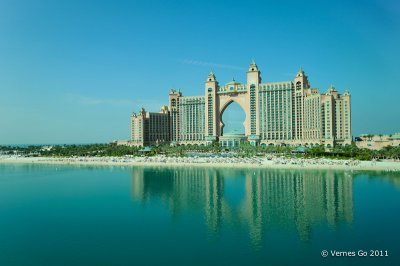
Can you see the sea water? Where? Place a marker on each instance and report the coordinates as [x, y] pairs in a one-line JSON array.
[[71, 215]]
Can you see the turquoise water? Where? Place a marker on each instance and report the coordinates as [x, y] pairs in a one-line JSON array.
[[69, 215]]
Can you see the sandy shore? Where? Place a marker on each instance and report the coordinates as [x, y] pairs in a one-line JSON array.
[[253, 162]]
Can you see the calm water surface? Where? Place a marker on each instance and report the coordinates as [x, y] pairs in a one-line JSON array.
[[69, 215]]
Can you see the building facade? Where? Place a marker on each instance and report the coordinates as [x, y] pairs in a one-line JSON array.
[[277, 113], [150, 128]]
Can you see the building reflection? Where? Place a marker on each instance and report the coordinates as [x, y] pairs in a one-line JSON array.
[[259, 200]]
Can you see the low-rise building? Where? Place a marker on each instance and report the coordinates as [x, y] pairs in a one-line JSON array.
[[377, 142], [232, 140]]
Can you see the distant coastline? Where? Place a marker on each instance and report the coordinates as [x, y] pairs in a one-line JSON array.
[[252, 162]]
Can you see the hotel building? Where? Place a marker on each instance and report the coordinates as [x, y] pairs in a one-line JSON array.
[[277, 113], [150, 128]]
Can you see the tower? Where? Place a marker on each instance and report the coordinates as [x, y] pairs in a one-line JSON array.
[[301, 80], [211, 108], [301, 86], [253, 82], [174, 97], [346, 113], [253, 74]]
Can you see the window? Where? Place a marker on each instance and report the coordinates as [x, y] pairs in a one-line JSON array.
[[298, 85]]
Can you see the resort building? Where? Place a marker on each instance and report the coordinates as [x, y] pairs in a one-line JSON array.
[[150, 128], [377, 142], [277, 113], [232, 139]]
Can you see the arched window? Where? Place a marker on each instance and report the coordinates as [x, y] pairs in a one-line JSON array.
[[298, 85]]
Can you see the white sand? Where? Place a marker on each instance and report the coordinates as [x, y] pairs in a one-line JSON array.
[[258, 162]]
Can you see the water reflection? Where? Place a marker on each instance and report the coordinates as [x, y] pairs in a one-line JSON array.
[[258, 200]]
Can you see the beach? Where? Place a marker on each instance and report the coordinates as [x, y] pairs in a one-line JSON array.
[[252, 162]]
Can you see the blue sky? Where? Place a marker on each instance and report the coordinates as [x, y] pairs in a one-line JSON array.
[[73, 71]]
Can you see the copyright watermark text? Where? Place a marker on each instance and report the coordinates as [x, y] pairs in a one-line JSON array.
[[354, 253]]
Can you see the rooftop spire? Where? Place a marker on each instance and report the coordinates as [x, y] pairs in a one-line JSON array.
[[211, 76], [253, 66], [300, 73]]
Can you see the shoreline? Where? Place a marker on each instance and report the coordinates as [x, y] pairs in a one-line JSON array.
[[219, 162]]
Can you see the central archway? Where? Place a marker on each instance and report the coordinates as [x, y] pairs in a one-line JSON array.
[[232, 119], [227, 100]]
